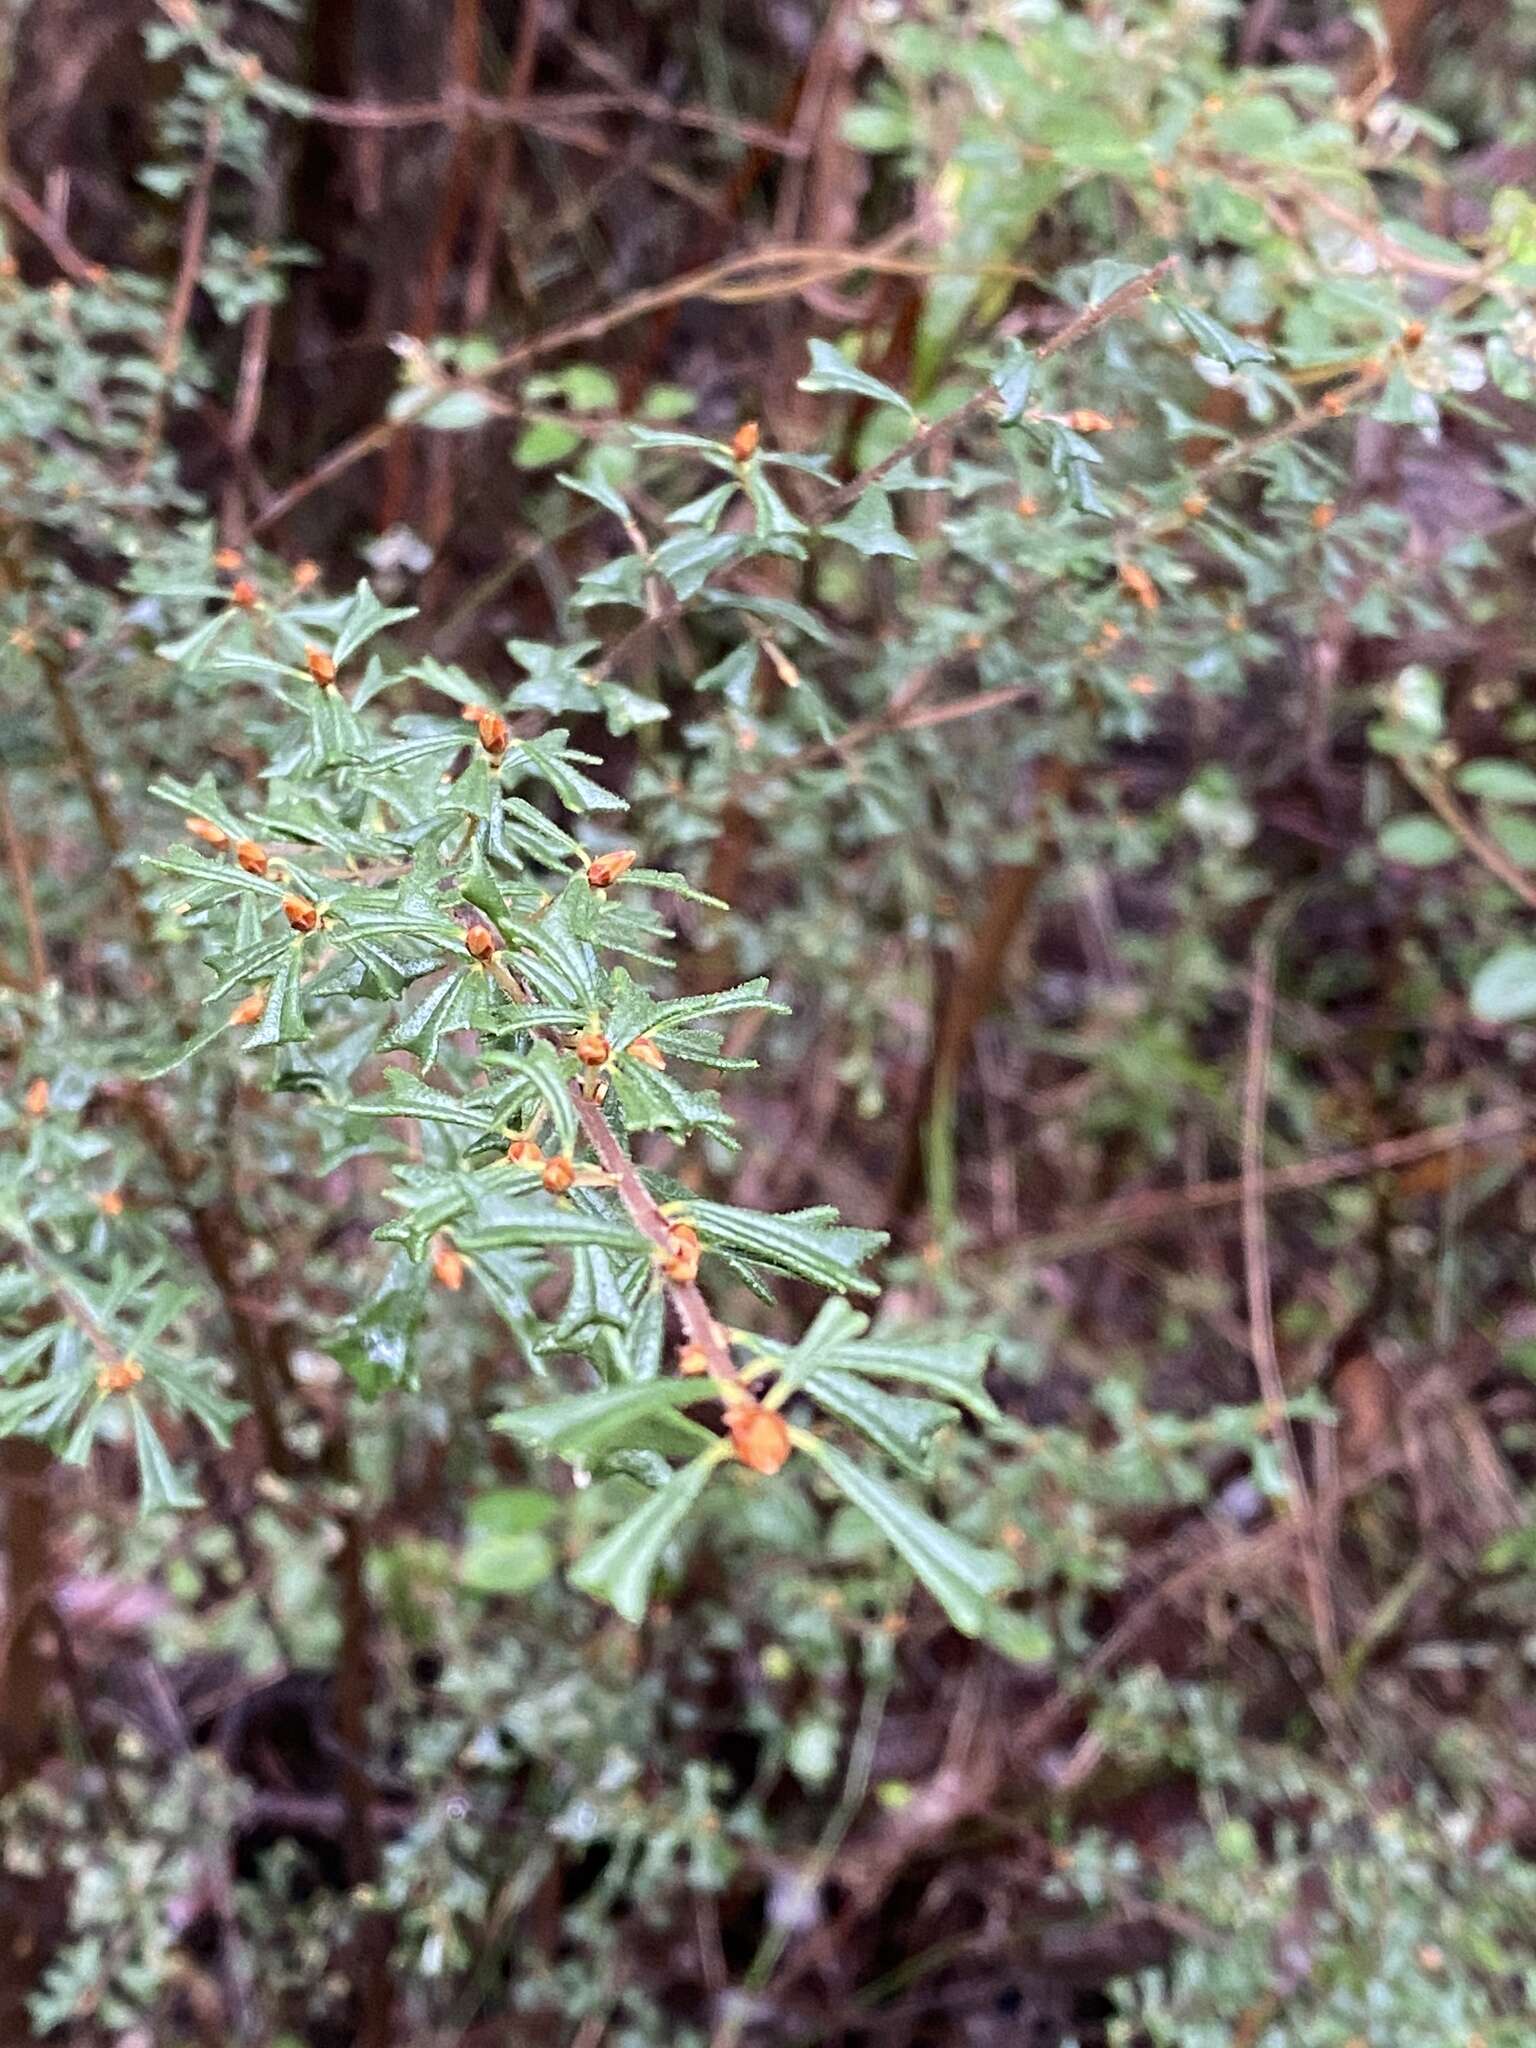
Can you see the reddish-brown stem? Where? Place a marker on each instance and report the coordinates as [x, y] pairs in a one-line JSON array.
[[194, 239], [21, 878]]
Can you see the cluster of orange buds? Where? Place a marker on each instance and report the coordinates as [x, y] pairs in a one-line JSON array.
[[1195, 506], [249, 1008], [207, 831], [495, 734], [525, 1152], [447, 1265], [227, 561], [35, 1101], [306, 575], [559, 1173], [592, 1048], [303, 915], [321, 666], [1026, 506], [1140, 585], [745, 440], [1082, 421], [252, 856], [648, 1053], [479, 942], [1323, 516], [109, 1202], [603, 872], [1414, 333], [245, 594], [759, 1435], [118, 1376], [679, 1258]]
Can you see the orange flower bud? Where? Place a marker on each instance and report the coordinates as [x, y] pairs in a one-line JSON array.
[[592, 1049], [479, 942], [35, 1101], [691, 1361], [759, 1436], [607, 868], [558, 1175], [1414, 333], [447, 1266], [228, 560], [110, 1202], [1143, 686], [494, 734], [1334, 402], [320, 665], [206, 830], [1140, 585], [1196, 505], [1323, 516], [249, 1008], [301, 913], [306, 575], [648, 1053], [745, 439], [244, 594], [525, 1152], [473, 713], [119, 1376], [252, 857], [1085, 422], [680, 1259], [1026, 506]]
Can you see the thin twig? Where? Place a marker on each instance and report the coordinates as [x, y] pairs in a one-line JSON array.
[[18, 202], [1261, 1327], [1137, 1215], [21, 877], [194, 239], [1445, 807]]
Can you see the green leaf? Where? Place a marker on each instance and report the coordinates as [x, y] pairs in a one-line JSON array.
[[1213, 339], [1418, 842], [620, 1568], [807, 1243], [870, 529], [458, 412], [903, 1428], [583, 1426], [510, 1511], [159, 1485], [831, 371], [1504, 989], [965, 1580], [544, 442], [505, 1564], [1502, 782], [363, 618], [282, 1020]]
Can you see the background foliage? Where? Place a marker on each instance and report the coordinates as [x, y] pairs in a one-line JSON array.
[[1018, 518]]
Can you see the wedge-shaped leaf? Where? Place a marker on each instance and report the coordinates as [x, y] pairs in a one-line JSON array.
[[406, 1095], [537, 1222], [688, 560], [1213, 339], [1501, 782], [517, 828], [554, 762], [808, 1243], [583, 1427], [509, 1275], [621, 1567], [659, 1102], [897, 1424], [965, 1579], [282, 1020], [159, 1484], [831, 371], [952, 1366], [544, 1077], [456, 1003], [724, 1002], [870, 528], [363, 618]]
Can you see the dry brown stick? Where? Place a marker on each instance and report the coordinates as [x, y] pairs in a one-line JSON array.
[[477, 289], [1135, 1215], [21, 878], [543, 110], [194, 239], [19, 202], [1261, 1322]]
